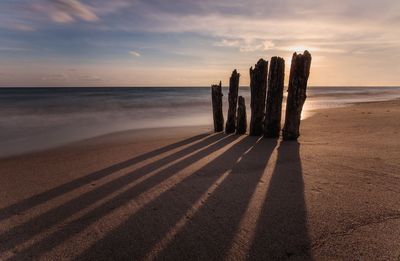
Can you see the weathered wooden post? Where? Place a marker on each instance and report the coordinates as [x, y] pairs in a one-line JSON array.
[[241, 117], [233, 100], [273, 110], [299, 73], [216, 94], [258, 87]]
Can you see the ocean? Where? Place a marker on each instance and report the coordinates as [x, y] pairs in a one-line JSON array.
[[39, 118]]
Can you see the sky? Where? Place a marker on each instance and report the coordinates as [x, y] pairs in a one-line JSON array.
[[195, 43]]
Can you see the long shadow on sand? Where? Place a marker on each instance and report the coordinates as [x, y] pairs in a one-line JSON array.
[[27, 230], [45, 196], [196, 218], [204, 234], [282, 231]]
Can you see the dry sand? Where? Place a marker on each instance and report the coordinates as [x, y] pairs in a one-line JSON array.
[[184, 194]]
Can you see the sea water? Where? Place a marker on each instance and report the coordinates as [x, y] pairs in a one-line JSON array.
[[40, 118]]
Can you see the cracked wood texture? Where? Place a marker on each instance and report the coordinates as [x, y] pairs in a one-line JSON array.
[[233, 100], [273, 110], [241, 117], [216, 95], [299, 73], [258, 87]]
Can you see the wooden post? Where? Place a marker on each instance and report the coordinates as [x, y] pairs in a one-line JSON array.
[[241, 117], [299, 73], [233, 100], [258, 87], [216, 94], [273, 110]]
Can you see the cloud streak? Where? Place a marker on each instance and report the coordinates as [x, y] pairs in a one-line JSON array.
[[135, 53], [66, 11]]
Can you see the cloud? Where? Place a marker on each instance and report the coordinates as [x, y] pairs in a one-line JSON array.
[[228, 43], [253, 25], [244, 45], [135, 53], [257, 45], [26, 15], [61, 17], [349, 34], [67, 11], [301, 48]]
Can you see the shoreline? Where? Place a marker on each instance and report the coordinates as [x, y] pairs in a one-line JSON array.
[[130, 132], [53, 122], [154, 130], [188, 193]]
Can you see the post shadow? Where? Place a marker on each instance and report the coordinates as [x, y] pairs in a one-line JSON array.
[[136, 236], [60, 213], [36, 225], [282, 231], [210, 233], [35, 200]]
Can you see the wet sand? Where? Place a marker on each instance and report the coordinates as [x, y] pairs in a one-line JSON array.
[[185, 193]]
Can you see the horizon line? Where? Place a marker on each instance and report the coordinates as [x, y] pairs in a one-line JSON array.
[[197, 86]]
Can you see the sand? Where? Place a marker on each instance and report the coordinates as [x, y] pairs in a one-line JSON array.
[[185, 193]]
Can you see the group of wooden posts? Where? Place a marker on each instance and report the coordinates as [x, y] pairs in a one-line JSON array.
[[266, 106]]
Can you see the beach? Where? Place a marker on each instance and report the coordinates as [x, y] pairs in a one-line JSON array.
[[184, 193]]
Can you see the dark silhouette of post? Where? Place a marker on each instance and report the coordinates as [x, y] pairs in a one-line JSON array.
[[258, 87], [233, 100], [216, 95], [273, 110], [241, 117], [299, 73]]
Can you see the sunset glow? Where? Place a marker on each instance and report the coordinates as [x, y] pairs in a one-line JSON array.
[[193, 43]]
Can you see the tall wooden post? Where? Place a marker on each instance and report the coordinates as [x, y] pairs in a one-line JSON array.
[[216, 95], [233, 100], [273, 110], [241, 117], [258, 87], [299, 73]]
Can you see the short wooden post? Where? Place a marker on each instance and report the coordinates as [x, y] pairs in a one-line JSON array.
[[216, 95], [299, 73], [241, 117], [258, 87], [273, 110], [230, 126]]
